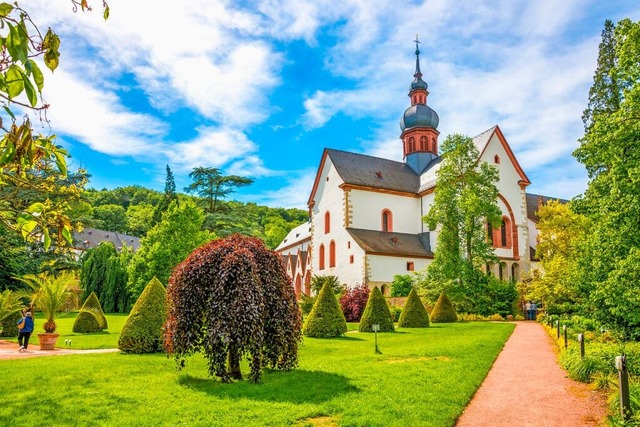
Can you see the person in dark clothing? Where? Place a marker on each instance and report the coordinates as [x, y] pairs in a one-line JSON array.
[[25, 331]]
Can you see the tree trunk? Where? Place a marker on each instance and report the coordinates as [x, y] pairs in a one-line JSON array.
[[234, 364]]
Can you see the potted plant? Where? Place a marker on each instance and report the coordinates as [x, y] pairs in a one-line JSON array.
[[9, 303], [51, 294]]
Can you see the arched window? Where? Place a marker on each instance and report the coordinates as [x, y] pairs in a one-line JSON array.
[[327, 222], [503, 234], [496, 159], [298, 288], [435, 145], [501, 271], [514, 272], [383, 288], [423, 143], [412, 145], [387, 221], [332, 254], [321, 257]]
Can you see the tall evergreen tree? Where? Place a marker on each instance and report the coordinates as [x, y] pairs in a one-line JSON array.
[[212, 185], [169, 196], [609, 151], [465, 201], [604, 95]]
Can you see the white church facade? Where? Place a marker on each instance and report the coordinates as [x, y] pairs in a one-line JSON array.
[[366, 212]]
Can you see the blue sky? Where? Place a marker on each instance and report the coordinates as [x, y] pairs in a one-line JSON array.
[[261, 88]]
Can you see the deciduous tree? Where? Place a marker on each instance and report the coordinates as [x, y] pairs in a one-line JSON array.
[[229, 299]]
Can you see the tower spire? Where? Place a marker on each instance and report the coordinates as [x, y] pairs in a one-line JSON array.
[[418, 73]]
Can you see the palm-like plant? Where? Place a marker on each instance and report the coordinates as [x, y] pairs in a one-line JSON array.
[[51, 294], [10, 302]]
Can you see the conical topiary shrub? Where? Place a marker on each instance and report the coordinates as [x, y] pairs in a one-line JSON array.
[[376, 313], [142, 332], [325, 319], [86, 323], [414, 315], [92, 304], [443, 311]]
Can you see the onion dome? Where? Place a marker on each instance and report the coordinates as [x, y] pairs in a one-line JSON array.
[[419, 115]]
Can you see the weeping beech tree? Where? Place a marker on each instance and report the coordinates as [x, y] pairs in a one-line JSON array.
[[229, 299]]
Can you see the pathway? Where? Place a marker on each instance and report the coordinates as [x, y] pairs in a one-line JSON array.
[[527, 387], [9, 350]]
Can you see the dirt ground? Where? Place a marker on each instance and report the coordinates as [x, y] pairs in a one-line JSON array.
[[9, 350], [527, 387]]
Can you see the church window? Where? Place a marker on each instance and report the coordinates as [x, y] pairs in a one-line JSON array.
[[514, 272], [435, 145], [327, 222], [501, 271], [349, 244], [332, 254], [503, 234], [350, 259], [321, 258], [412, 145], [387, 221], [423, 143], [490, 234], [410, 266], [496, 159]]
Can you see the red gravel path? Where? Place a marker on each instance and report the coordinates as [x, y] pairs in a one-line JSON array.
[[527, 387]]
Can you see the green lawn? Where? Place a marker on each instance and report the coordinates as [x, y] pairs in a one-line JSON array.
[[104, 339], [424, 377]]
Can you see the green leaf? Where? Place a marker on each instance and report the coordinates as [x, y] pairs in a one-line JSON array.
[[67, 235], [5, 10], [9, 112], [36, 208], [8, 153], [51, 59], [17, 43], [14, 81], [37, 74], [47, 239], [105, 15], [61, 162], [27, 226], [31, 91]]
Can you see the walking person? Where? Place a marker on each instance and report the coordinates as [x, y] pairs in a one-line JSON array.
[[527, 310], [534, 310], [25, 328]]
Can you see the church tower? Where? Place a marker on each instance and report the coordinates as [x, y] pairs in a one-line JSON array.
[[419, 124]]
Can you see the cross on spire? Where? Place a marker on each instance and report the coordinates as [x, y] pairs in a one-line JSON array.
[[418, 73]]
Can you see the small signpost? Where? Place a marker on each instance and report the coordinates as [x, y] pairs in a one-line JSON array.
[[375, 328], [564, 330], [623, 384], [581, 341]]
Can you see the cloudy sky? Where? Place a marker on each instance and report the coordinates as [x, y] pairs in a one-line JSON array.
[[260, 88]]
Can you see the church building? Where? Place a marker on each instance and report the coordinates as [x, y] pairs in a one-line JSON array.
[[366, 212]]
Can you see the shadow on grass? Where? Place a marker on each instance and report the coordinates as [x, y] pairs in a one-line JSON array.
[[297, 386]]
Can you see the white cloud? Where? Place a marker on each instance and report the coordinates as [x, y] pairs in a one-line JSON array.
[[294, 193]]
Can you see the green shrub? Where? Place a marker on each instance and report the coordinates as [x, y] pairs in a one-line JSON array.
[[414, 315], [443, 311], [376, 312], [401, 285], [92, 303], [325, 319], [306, 303], [10, 325], [142, 332], [496, 317], [86, 323], [395, 312]]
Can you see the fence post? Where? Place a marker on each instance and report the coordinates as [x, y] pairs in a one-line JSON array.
[[564, 330], [558, 327], [581, 341], [623, 384]]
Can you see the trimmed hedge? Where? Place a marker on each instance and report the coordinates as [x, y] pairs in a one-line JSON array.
[[414, 315], [142, 332], [325, 319], [92, 304], [376, 312], [86, 322], [443, 311], [10, 325]]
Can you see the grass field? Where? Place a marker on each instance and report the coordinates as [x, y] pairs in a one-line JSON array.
[[104, 339], [424, 377]]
